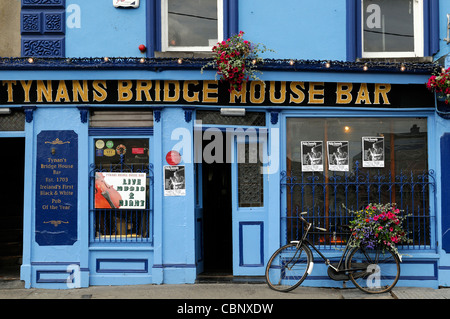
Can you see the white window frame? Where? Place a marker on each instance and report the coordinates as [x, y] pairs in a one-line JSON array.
[[418, 36], [165, 30]]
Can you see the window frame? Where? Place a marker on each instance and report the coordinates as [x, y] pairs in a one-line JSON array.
[[288, 181], [165, 30], [95, 238], [354, 26], [418, 21]]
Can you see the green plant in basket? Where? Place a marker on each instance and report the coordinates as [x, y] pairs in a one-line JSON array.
[[236, 59], [378, 225], [440, 83]]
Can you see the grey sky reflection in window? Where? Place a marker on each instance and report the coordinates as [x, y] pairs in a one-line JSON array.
[[192, 22], [388, 25]]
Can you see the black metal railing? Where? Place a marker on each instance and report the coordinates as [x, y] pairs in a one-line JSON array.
[[329, 201], [122, 225]]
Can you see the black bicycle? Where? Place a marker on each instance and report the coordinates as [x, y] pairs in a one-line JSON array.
[[373, 270]]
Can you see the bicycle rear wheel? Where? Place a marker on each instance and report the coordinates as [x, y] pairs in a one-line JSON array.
[[288, 267], [377, 270]]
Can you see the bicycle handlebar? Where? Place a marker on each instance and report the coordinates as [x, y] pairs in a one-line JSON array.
[[308, 223]]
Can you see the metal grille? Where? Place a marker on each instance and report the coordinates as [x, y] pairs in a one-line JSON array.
[[122, 225], [121, 118], [13, 122], [327, 201], [249, 119]]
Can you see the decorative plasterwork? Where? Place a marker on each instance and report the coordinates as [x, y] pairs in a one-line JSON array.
[[43, 28]]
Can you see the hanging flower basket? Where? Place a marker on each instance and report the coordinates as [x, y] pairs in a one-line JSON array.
[[440, 84], [378, 225], [236, 59]]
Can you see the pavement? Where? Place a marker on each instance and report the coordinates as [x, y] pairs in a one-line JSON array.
[[14, 289]]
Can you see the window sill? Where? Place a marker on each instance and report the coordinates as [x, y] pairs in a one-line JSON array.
[[183, 54], [426, 59]]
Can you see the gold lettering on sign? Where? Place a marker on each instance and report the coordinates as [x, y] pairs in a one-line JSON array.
[[381, 90], [344, 93], [99, 91], [26, 85], [297, 95], [143, 87], [262, 90], [195, 91], [190, 98], [282, 93], [176, 95], [157, 91], [207, 90], [363, 95], [78, 91], [44, 91], [10, 89], [314, 92], [62, 93], [242, 95], [124, 91]]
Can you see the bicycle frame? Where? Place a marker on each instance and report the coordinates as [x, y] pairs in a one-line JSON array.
[[326, 260]]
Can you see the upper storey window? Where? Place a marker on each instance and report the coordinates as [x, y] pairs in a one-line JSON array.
[[191, 25], [392, 28]]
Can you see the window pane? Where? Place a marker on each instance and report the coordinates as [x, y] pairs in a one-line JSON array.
[[250, 118], [321, 190], [388, 25], [15, 121], [121, 212], [108, 152], [192, 22], [405, 140], [250, 178]]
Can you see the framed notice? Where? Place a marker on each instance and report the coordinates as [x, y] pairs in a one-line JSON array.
[[174, 181], [120, 190], [373, 151], [337, 156], [56, 220], [312, 156]]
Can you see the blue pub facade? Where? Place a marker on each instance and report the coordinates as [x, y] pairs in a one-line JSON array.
[[131, 166]]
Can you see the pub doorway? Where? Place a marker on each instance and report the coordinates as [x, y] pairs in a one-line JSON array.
[[217, 219], [11, 217]]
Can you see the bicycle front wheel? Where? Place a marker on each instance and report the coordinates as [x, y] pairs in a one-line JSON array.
[[374, 270], [288, 267]]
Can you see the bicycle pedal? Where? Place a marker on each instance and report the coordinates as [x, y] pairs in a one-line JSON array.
[[335, 275]]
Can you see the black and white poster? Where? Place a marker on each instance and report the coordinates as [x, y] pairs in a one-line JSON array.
[[174, 181], [337, 155], [373, 151], [312, 156]]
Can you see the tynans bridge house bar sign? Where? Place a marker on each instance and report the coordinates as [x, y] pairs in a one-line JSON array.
[[254, 93]]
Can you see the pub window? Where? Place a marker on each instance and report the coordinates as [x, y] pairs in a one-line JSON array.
[[191, 25], [392, 28], [353, 162], [216, 118], [122, 181], [12, 120], [121, 176]]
